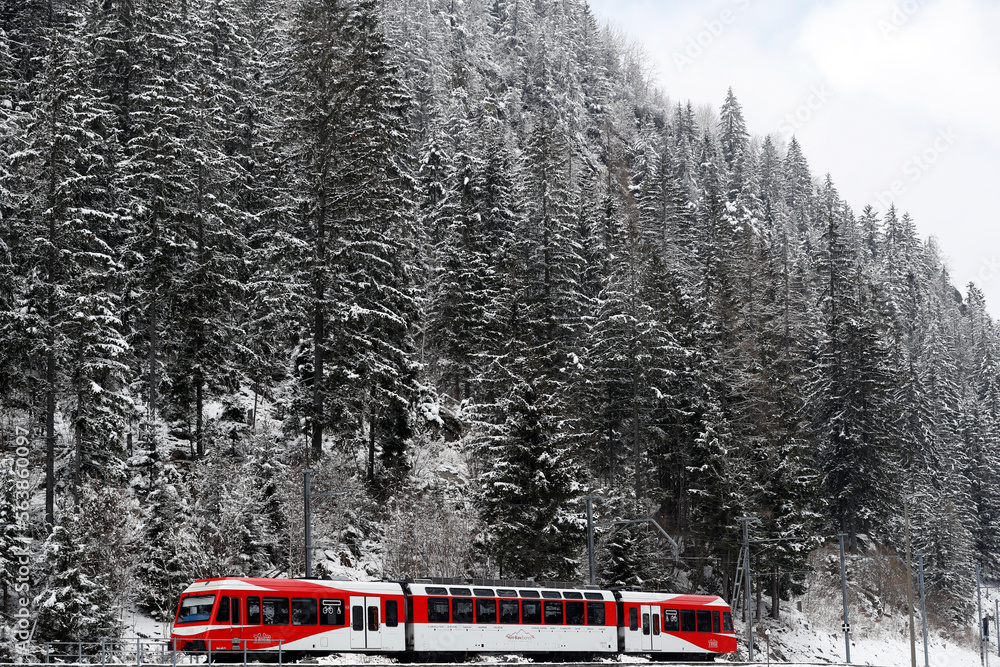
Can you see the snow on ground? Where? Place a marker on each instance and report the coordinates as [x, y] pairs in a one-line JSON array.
[[815, 636], [137, 624]]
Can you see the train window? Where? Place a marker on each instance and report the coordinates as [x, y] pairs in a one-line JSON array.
[[531, 612], [331, 612], [715, 622], [195, 608], [486, 610], [303, 611], [409, 610], [461, 591], [633, 619], [506, 593], [275, 611], [358, 618], [552, 595], [687, 620], [575, 612], [670, 621], [483, 592], [253, 610], [509, 611], [593, 596], [436, 590], [727, 621], [704, 620], [222, 615], [391, 613], [573, 595], [373, 618], [656, 624], [645, 624], [461, 610], [437, 610], [553, 612], [530, 594], [234, 604], [595, 613]]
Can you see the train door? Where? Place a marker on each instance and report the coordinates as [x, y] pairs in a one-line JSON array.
[[645, 613], [374, 622], [366, 623], [656, 637], [236, 622]]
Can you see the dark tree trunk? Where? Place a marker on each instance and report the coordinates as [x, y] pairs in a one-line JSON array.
[[636, 451], [50, 432], [154, 379], [775, 595], [319, 333], [78, 455], [199, 398], [372, 428]]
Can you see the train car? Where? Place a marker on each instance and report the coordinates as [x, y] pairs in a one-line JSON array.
[[452, 621], [666, 626], [230, 615], [421, 621]]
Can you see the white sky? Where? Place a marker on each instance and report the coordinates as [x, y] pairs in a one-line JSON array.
[[883, 94]]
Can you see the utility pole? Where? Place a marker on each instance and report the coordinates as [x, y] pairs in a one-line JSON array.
[[307, 496], [746, 574], [843, 590], [590, 540], [307, 514], [909, 586], [923, 608]]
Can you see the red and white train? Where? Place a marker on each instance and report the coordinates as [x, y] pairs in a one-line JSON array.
[[232, 617]]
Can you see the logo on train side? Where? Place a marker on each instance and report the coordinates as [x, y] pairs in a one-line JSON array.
[[713, 643], [520, 635], [262, 638]]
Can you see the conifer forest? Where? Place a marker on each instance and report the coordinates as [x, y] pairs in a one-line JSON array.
[[465, 261]]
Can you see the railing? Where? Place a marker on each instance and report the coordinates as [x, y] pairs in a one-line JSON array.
[[143, 652]]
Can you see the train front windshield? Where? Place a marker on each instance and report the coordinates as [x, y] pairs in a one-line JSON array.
[[195, 609]]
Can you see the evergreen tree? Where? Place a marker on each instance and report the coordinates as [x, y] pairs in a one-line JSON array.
[[171, 558], [73, 605], [529, 491]]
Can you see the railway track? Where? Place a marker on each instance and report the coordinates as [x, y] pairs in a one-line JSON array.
[[450, 664]]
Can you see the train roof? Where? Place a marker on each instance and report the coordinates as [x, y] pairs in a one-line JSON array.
[[262, 585], [676, 598], [507, 591]]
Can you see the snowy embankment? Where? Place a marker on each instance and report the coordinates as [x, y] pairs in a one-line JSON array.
[[814, 636]]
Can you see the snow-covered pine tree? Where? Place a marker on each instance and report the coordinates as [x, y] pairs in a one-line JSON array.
[[70, 229], [632, 554], [172, 556], [73, 604], [13, 341], [735, 142], [210, 279], [857, 416], [529, 490], [156, 172], [349, 117], [548, 247], [464, 292]]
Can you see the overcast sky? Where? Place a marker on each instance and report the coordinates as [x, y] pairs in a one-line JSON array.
[[897, 99]]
